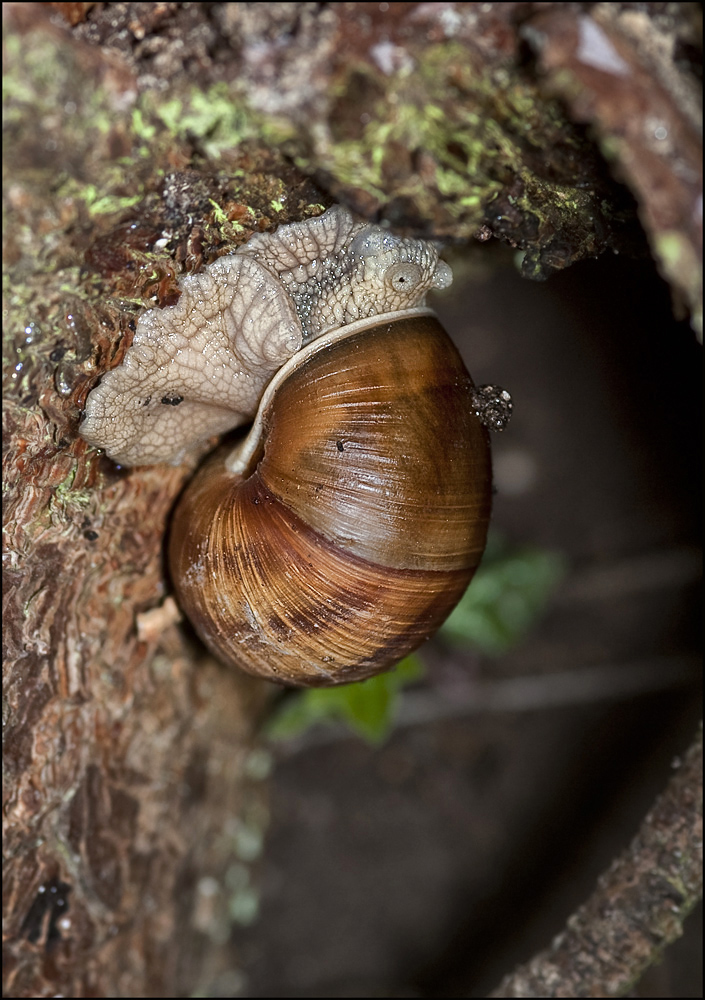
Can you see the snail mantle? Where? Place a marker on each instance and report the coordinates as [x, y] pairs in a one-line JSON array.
[[342, 530]]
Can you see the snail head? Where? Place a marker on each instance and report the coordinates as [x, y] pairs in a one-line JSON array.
[[370, 272]]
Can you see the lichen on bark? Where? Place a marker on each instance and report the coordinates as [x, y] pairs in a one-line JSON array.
[[142, 141], [126, 751]]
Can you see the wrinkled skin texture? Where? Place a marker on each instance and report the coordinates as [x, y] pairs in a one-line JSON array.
[[199, 368]]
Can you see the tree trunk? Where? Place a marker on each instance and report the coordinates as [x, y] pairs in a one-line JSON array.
[[142, 142]]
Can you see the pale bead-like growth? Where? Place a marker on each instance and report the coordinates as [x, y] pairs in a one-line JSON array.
[[199, 368]]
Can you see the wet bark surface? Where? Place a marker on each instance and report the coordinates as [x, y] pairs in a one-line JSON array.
[[141, 142]]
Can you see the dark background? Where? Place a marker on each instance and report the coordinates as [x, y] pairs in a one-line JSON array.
[[431, 866]]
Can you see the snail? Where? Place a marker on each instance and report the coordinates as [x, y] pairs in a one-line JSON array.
[[340, 532]]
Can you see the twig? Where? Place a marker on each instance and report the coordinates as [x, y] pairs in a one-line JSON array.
[[638, 907], [601, 683]]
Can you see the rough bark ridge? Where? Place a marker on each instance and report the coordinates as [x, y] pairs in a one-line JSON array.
[[143, 141], [638, 906]]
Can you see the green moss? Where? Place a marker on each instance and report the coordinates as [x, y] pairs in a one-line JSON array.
[[141, 128], [472, 127], [680, 265], [219, 215], [214, 117], [672, 247], [65, 495]]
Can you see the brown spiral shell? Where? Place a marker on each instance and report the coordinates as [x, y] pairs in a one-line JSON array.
[[359, 518]]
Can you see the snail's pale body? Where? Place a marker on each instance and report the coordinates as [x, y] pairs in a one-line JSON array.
[[344, 528]]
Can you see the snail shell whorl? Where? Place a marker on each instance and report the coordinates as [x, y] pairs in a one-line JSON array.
[[357, 528]]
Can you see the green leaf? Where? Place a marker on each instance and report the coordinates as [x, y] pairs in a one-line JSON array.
[[368, 707], [506, 596]]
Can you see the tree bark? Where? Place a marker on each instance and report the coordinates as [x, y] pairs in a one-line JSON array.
[[142, 141], [638, 907]]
